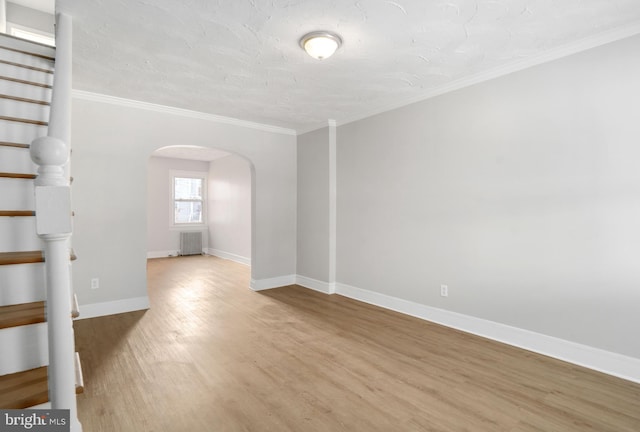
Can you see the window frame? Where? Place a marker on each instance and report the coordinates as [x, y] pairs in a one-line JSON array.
[[202, 175], [32, 34]]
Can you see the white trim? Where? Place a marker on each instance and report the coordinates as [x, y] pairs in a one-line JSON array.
[[316, 285], [593, 358], [320, 125], [113, 307], [97, 97], [275, 282], [162, 254], [190, 227], [229, 256]]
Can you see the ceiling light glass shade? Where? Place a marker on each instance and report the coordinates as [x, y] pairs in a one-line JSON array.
[[321, 44]]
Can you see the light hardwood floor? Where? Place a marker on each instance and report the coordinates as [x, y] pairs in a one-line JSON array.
[[211, 355]]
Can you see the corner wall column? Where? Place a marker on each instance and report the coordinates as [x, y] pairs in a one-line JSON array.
[[332, 206]]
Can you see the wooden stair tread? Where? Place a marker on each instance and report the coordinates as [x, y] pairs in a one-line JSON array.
[[23, 120], [21, 99], [14, 213], [29, 313], [22, 314], [14, 144], [46, 57], [26, 389], [25, 257], [20, 81], [34, 68], [17, 175]]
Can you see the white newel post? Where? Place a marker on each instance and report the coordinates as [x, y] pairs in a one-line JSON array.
[[54, 227]]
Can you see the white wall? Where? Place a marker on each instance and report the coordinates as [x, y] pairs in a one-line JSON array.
[[162, 238], [112, 143], [313, 205], [229, 212], [521, 193]]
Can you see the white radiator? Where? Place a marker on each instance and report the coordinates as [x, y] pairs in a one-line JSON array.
[[191, 243]]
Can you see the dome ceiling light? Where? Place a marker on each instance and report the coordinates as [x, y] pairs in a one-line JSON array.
[[320, 44]]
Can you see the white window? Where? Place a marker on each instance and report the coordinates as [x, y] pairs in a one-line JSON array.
[[188, 197], [30, 34]]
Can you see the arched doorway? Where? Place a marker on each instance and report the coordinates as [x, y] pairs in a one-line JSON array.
[[224, 214]]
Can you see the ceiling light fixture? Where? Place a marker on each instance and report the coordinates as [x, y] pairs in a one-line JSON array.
[[320, 44]]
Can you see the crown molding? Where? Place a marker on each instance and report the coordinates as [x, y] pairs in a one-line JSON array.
[[98, 97], [557, 53], [566, 50], [317, 126]]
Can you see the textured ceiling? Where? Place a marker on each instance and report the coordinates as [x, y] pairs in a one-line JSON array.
[[241, 59]]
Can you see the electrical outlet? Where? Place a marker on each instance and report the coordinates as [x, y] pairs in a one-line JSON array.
[[95, 283], [444, 290]]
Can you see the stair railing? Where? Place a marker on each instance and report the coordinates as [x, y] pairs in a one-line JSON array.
[[54, 227]]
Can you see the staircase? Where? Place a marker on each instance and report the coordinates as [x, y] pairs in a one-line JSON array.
[[37, 360]]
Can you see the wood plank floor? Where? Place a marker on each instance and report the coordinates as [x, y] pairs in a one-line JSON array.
[[211, 355]]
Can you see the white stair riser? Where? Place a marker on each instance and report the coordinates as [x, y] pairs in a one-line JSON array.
[[21, 283], [20, 132], [25, 110], [14, 159], [18, 234], [24, 348], [24, 90], [17, 194], [25, 59], [25, 45], [25, 74]]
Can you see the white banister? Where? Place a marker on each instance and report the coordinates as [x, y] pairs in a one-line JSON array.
[[53, 226], [60, 118]]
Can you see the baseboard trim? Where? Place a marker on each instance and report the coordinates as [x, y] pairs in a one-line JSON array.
[[94, 310], [316, 285], [161, 254], [593, 358], [276, 282], [229, 256]]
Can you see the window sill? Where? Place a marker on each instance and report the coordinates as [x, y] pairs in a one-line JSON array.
[[189, 227]]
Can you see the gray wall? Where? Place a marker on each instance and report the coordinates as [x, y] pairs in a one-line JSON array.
[[161, 236], [111, 148], [313, 205], [521, 193], [32, 18], [229, 211]]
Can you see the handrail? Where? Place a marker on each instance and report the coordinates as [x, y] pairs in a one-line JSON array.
[[53, 226], [60, 118], [51, 153]]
